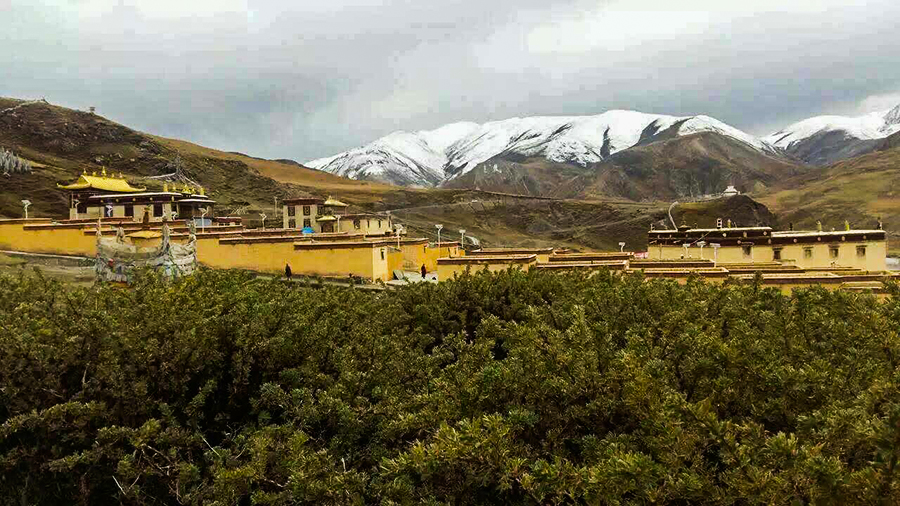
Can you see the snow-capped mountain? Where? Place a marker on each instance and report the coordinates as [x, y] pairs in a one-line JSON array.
[[430, 158], [824, 139]]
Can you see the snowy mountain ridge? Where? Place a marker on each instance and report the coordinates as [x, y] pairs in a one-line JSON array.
[[431, 157], [876, 125]]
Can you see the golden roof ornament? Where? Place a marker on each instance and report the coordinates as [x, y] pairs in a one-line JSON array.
[[166, 187], [103, 172]]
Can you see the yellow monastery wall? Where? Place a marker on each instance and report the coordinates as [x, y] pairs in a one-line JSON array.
[[395, 259], [873, 261], [49, 239], [340, 261], [415, 255], [255, 256], [433, 253], [337, 260]]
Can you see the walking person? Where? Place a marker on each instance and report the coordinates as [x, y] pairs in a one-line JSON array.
[[287, 271], [424, 272]]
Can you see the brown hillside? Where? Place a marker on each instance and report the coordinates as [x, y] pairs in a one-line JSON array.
[[62, 142], [689, 166], [859, 190]]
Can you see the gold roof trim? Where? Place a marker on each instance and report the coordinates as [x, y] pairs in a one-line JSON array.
[[110, 184], [326, 217], [334, 202]]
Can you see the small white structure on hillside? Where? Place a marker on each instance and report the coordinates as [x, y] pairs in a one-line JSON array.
[[730, 191]]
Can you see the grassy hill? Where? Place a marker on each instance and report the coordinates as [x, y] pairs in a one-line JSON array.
[[859, 190], [61, 142]]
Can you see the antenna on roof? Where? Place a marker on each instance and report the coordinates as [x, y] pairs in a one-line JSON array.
[[25, 204]]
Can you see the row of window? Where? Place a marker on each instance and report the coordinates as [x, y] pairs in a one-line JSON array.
[[356, 223], [293, 210], [833, 252], [129, 210], [306, 223]]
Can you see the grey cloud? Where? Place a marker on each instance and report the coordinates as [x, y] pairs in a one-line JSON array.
[[283, 79]]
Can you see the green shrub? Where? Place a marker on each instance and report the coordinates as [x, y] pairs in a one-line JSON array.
[[507, 388]]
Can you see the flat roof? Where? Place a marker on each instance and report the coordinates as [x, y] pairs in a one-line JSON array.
[[484, 251], [723, 229], [506, 259], [805, 233]]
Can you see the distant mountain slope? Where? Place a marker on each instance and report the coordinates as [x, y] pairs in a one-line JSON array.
[[62, 142], [827, 139], [436, 157], [859, 190], [687, 167]]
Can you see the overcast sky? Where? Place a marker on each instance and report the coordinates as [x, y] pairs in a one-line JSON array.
[[303, 79]]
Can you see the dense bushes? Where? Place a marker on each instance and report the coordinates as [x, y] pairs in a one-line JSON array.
[[507, 388]]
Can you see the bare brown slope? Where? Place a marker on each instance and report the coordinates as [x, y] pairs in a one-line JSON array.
[[688, 166], [62, 142], [859, 190]]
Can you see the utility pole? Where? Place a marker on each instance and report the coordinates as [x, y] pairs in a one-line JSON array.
[[439, 227]]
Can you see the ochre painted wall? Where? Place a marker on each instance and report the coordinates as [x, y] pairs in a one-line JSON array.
[[395, 259], [433, 253], [414, 255], [340, 261], [874, 259], [49, 239]]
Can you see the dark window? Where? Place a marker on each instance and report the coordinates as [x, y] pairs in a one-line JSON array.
[[356, 224], [292, 210], [776, 254], [861, 251], [382, 253], [129, 211], [157, 210], [306, 223], [368, 223], [305, 210], [379, 223], [807, 252], [748, 251], [292, 222], [834, 251]]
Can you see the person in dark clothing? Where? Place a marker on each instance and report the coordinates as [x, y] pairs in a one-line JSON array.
[[424, 272], [287, 271]]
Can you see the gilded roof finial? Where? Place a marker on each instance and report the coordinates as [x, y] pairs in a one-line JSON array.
[[201, 190], [104, 171], [166, 187], [819, 226], [846, 224]]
